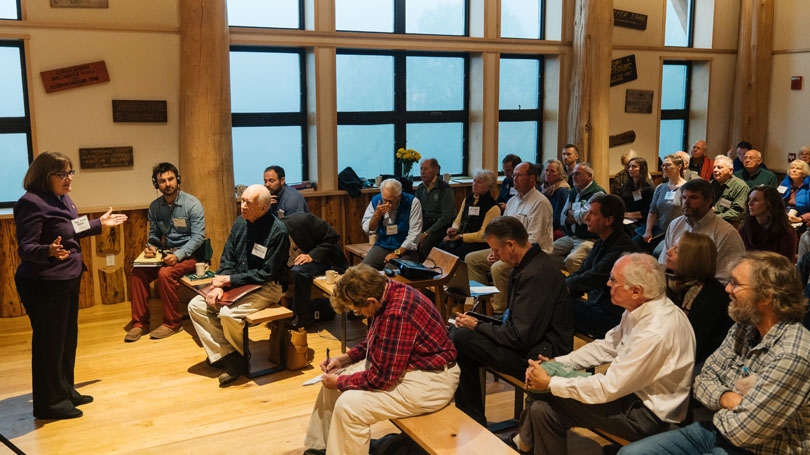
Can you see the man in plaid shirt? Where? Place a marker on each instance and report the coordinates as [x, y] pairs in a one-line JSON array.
[[758, 380], [406, 366]]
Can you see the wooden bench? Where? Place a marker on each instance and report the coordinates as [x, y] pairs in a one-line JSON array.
[[450, 431], [358, 251], [272, 313]]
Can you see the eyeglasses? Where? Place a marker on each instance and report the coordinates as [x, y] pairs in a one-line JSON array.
[[520, 175], [735, 286], [65, 175]]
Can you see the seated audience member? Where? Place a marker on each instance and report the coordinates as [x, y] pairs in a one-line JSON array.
[[570, 250], [534, 211], [286, 199], [697, 198], [555, 188], [438, 205], [729, 191], [596, 315], [688, 174], [804, 153], [700, 162], [691, 285], [314, 249], [406, 365], [637, 192], [795, 191], [478, 209], [537, 320], [509, 163], [651, 355], [623, 176], [665, 206], [739, 154], [255, 253], [765, 225], [756, 383], [570, 158], [753, 174], [396, 219]]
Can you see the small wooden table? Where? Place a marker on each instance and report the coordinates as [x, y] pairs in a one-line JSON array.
[[357, 251], [320, 283]]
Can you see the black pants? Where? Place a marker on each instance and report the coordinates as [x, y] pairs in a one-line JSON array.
[[303, 275], [53, 308]]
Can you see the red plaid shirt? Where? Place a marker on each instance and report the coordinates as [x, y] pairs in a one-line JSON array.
[[406, 333]]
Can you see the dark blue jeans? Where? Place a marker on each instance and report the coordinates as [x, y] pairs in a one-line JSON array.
[[697, 438]]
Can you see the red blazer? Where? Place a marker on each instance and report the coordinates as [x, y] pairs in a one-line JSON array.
[[707, 169]]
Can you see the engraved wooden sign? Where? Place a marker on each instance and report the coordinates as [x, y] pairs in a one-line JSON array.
[[74, 76], [629, 19], [638, 101], [79, 4], [623, 69], [104, 157], [139, 111]]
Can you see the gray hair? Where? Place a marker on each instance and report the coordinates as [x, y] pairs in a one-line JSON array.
[[586, 167], [805, 167], [487, 176], [644, 271], [728, 162], [393, 184], [684, 156], [560, 167]]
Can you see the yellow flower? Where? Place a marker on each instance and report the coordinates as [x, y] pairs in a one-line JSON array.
[[407, 155]]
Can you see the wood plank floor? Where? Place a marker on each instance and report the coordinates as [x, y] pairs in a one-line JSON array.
[[160, 396]]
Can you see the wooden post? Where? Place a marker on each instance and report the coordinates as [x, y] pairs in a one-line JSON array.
[[752, 80], [206, 154], [589, 113]]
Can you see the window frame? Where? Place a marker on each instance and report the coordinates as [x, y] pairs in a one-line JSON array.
[[523, 115], [400, 117], [543, 19], [260, 119], [301, 21], [400, 25], [19, 125], [690, 29], [679, 114]]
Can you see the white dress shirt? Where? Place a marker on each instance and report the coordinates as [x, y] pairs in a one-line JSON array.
[[535, 212]]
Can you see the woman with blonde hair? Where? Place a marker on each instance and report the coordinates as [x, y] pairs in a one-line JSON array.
[[665, 205], [795, 191]]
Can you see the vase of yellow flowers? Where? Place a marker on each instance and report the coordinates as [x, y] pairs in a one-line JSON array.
[[405, 158]]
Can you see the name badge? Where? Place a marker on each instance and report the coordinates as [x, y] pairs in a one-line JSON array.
[[259, 250], [512, 191], [576, 206], [391, 229], [669, 196], [636, 196], [781, 189], [474, 211], [80, 224], [725, 203], [179, 222]]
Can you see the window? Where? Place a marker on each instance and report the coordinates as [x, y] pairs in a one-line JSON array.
[[675, 91], [10, 9], [15, 124], [520, 107], [263, 13], [394, 99], [522, 19], [268, 102], [434, 17], [680, 18]]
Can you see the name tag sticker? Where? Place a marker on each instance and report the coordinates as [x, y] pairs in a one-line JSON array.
[[576, 206], [259, 250], [512, 191], [636, 196], [725, 203], [669, 196], [474, 211], [179, 222], [391, 229], [80, 224], [781, 189]]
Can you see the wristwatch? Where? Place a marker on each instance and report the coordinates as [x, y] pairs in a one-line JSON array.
[[398, 252]]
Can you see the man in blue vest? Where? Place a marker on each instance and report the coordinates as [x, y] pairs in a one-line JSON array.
[[396, 219]]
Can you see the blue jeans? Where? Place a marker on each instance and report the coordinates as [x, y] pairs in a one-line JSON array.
[[697, 438]]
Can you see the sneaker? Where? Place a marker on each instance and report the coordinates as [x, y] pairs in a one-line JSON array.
[[164, 331], [135, 334], [234, 366], [315, 452]]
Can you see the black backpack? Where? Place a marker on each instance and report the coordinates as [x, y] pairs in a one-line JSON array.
[[350, 182]]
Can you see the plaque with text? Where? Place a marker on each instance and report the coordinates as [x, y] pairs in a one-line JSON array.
[[74, 76], [638, 101], [629, 19], [623, 69], [105, 157], [79, 4], [139, 111]]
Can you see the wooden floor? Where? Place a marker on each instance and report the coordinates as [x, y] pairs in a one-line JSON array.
[[160, 396]]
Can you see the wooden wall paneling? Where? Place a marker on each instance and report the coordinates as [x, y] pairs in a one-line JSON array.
[[10, 305], [136, 233], [87, 293]]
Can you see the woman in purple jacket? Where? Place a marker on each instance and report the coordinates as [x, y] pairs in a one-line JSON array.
[[48, 231]]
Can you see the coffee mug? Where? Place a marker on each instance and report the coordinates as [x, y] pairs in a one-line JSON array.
[[200, 268], [446, 176], [793, 213], [372, 239], [331, 276], [378, 180]]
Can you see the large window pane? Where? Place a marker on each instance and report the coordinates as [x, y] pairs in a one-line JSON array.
[[673, 87], [678, 25], [519, 83], [427, 92], [265, 82], [671, 137], [11, 89], [437, 17], [256, 148], [8, 9], [521, 19], [364, 15], [264, 13], [519, 138], [443, 141], [14, 153], [368, 149], [365, 83]]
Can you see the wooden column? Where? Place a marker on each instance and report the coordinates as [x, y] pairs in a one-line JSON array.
[[589, 114], [206, 155], [752, 80]]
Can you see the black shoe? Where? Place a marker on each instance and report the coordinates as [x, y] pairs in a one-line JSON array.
[[315, 452], [59, 415], [508, 439], [234, 366], [80, 399], [218, 364]]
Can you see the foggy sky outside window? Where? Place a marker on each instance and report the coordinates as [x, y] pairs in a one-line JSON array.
[[8, 9], [427, 92], [365, 82], [264, 13], [364, 15], [521, 19], [13, 144], [678, 18], [518, 101], [674, 108], [433, 17]]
